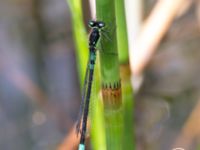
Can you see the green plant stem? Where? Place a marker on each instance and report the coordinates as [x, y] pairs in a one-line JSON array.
[[108, 47], [80, 37], [128, 100], [111, 87], [128, 138], [97, 126], [81, 42], [127, 92], [122, 38]]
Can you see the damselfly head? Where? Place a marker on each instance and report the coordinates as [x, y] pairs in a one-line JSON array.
[[97, 24]]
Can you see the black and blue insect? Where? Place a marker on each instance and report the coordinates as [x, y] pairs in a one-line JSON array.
[[96, 27]]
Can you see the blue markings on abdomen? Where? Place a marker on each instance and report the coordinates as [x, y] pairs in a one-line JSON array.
[[81, 147]]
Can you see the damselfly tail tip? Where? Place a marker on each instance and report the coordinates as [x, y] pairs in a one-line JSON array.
[[81, 147]]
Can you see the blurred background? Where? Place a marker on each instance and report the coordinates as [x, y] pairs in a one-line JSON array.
[[39, 86]]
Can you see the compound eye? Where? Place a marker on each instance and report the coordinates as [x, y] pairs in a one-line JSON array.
[[101, 24], [91, 23]]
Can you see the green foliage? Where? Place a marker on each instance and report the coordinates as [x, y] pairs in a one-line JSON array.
[[105, 10], [111, 129], [98, 126], [127, 94], [80, 36], [122, 38]]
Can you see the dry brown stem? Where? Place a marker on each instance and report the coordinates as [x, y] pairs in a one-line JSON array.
[[152, 32], [190, 130]]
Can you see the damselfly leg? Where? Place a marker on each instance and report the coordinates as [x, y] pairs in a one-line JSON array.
[[106, 33]]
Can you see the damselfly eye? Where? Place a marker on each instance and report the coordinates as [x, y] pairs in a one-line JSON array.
[[101, 24], [91, 23]]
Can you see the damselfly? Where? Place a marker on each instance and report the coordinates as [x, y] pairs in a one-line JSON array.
[[94, 36]]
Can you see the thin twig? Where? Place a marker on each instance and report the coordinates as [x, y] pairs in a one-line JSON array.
[[190, 130], [70, 142]]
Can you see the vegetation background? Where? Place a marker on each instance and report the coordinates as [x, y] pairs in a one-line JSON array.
[[39, 86]]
